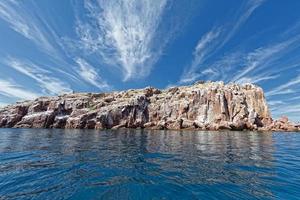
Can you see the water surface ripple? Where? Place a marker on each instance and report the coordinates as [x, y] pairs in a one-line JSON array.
[[139, 164]]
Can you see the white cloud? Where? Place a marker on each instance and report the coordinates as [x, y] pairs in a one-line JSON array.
[[262, 58], [261, 64], [203, 49], [89, 74], [47, 81], [214, 40], [125, 33], [29, 21], [294, 98], [291, 110], [244, 13], [285, 88], [32, 24], [210, 71], [10, 89], [275, 103], [24, 21], [256, 79]]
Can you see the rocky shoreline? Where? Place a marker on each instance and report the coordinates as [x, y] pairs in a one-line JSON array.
[[202, 106]]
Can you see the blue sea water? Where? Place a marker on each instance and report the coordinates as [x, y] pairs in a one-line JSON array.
[[139, 164]]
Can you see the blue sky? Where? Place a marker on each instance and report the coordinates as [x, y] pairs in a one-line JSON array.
[[51, 47]]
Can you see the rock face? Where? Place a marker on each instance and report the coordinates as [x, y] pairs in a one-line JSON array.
[[205, 106]]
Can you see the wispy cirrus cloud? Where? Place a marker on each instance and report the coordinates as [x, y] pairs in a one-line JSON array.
[[243, 14], [10, 89], [286, 88], [261, 64], [124, 33], [89, 74], [206, 45], [46, 80], [284, 99], [214, 40], [257, 61], [32, 24], [286, 109], [256, 79], [25, 22]]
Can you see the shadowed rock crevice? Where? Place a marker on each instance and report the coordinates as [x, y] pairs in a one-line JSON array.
[[203, 106]]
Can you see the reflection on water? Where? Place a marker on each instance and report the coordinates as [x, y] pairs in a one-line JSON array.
[[139, 164]]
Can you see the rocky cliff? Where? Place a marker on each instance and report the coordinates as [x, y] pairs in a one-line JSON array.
[[204, 106]]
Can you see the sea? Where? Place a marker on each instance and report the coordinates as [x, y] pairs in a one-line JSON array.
[[148, 164]]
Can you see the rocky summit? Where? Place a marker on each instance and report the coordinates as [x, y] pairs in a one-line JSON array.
[[202, 106]]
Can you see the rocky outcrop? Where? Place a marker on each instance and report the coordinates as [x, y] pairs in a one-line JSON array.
[[203, 106], [282, 124]]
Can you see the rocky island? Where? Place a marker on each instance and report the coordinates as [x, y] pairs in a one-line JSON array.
[[202, 106]]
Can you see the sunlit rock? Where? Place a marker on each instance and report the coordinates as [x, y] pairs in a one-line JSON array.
[[203, 106]]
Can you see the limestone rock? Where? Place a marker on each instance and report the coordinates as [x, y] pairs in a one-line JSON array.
[[202, 106], [282, 124]]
